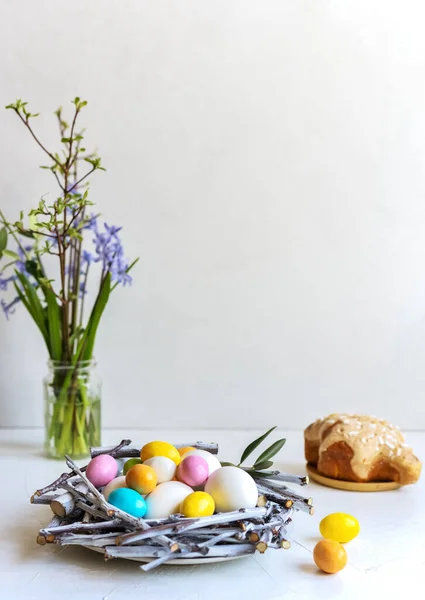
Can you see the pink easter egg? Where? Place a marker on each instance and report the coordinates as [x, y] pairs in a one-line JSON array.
[[101, 470], [193, 470]]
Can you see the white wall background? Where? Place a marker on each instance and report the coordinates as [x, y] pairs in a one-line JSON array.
[[267, 161]]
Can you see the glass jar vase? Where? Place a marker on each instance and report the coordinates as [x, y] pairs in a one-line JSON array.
[[72, 401]]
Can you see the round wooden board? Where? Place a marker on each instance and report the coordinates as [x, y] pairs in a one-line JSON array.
[[351, 486]]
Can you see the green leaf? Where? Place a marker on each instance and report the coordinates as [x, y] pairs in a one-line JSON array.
[[77, 333], [227, 464], [253, 445], [24, 300], [54, 323], [11, 254], [26, 233], [3, 239], [265, 474], [33, 269], [263, 465], [86, 344], [271, 451], [32, 303]]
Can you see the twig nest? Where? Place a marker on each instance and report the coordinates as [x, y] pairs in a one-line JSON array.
[[118, 482], [222, 521], [212, 461], [101, 470], [232, 489], [166, 498]]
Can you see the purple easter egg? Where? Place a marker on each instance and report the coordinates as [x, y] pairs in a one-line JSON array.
[[101, 470], [193, 470]]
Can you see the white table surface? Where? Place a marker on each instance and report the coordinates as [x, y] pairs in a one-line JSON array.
[[388, 554]]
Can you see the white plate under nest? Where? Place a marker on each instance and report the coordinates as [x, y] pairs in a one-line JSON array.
[[179, 561]]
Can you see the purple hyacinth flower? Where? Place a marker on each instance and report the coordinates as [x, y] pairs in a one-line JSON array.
[[112, 229], [91, 223], [4, 282], [20, 264], [8, 309], [87, 257], [83, 290]]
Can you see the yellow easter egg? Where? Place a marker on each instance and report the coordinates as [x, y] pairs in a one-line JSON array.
[[339, 527], [198, 504], [158, 448]]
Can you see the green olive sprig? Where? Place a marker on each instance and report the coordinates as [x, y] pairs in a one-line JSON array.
[[263, 462]]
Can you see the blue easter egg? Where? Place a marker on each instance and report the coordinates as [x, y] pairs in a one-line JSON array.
[[129, 501]]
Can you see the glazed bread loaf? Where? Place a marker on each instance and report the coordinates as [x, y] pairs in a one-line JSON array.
[[360, 448]]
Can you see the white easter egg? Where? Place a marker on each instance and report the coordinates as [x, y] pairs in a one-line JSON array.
[[232, 489], [212, 460], [164, 467], [166, 498], [118, 482]]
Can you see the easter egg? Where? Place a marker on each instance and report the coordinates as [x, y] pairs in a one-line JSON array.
[[160, 449], [141, 478], [164, 467], [232, 488], [166, 498], [130, 463], [118, 482], [198, 504], [129, 501], [182, 451], [101, 470], [330, 556], [339, 527], [212, 461], [193, 470]]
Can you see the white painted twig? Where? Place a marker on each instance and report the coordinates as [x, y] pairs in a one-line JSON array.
[[152, 551], [98, 540], [64, 504], [128, 451], [114, 524], [187, 525]]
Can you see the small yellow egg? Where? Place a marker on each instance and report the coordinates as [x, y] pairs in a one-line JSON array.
[[339, 527], [330, 556], [198, 504], [158, 448]]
